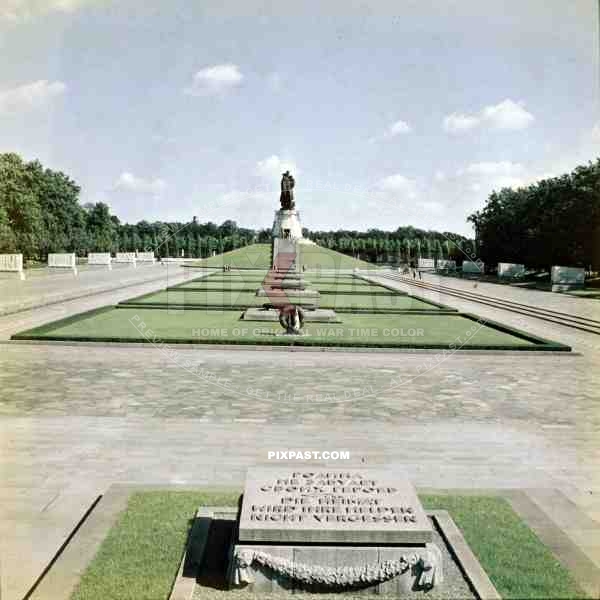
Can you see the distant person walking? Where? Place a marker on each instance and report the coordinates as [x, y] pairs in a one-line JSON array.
[[420, 275], [414, 271]]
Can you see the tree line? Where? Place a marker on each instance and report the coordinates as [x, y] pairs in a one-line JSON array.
[[40, 213], [555, 221], [405, 244]]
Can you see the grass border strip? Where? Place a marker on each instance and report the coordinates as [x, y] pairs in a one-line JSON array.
[[60, 322], [232, 307], [179, 288], [519, 333], [287, 343]]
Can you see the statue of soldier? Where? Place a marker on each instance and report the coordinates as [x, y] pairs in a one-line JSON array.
[[287, 191]]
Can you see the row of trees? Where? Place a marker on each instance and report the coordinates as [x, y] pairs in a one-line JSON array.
[[553, 222], [40, 213], [406, 244]]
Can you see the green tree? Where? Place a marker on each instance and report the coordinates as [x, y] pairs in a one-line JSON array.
[[100, 227]]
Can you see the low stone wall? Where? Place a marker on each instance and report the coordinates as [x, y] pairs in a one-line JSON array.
[[63, 261], [100, 258], [145, 257], [442, 263], [126, 257], [510, 269], [565, 279], [12, 263], [475, 268]]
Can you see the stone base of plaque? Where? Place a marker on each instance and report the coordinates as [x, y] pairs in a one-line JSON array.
[[392, 570], [275, 276], [288, 292], [319, 315], [285, 284]]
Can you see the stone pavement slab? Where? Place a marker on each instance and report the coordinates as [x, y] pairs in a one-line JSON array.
[[50, 286]]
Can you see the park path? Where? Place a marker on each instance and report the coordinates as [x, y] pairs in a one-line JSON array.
[[48, 286], [76, 418]]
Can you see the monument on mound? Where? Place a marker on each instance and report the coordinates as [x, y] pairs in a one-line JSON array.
[[331, 530], [287, 297]]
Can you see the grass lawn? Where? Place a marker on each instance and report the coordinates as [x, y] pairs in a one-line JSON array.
[[139, 558], [244, 278], [229, 299], [196, 295], [258, 256], [518, 564], [239, 283], [213, 326], [255, 256], [208, 310]]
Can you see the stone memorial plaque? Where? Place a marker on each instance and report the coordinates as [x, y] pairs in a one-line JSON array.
[[331, 505]]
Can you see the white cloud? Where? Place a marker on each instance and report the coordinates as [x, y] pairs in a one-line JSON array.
[[130, 183], [439, 176], [30, 96], [395, 129], [398, 128], [457, 123], [214, 80], [506, 115], [487, 176], [399, 186], [503, 167], [595, 134], [273, 166], [20, 11]]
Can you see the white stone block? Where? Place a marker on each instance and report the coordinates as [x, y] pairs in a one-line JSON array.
[[510, 269], [12, 263], [323, 505], [443, 263], [473, 267], [100, 258], [567, 278], [568, 275], [63, 261], [126, 257], [287, 225], [145, 257], [286, 255], [426, 263]]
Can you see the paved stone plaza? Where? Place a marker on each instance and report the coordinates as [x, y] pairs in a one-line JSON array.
[[45, 286], [75, 419]]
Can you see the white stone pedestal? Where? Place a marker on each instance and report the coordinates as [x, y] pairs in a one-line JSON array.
[[287, 225]]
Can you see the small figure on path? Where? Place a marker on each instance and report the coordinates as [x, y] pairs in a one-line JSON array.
[[291, 318]]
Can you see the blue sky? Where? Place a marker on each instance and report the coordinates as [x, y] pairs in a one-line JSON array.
[[394, 114]]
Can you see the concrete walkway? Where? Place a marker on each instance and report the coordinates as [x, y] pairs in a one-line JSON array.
[[46, 286], [74, 419]]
